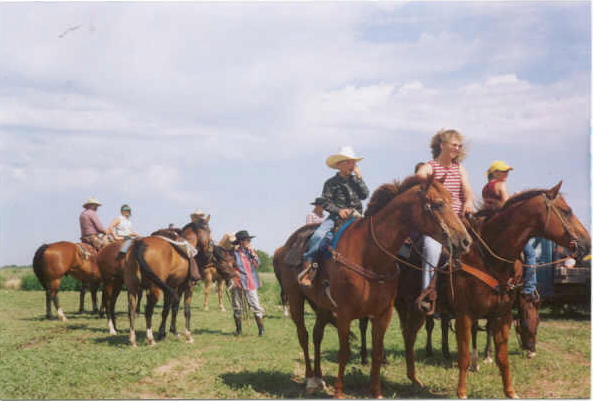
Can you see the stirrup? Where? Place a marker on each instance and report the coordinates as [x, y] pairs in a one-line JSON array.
[[306, 277], [426, 302]]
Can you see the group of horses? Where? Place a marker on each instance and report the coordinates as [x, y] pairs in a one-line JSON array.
[[158, 264], [367, 278], [363, 278]]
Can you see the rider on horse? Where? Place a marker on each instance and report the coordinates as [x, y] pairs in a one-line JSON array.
[[342, 197], [90, 225]]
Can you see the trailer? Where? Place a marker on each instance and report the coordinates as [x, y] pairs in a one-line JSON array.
[[557, 284]]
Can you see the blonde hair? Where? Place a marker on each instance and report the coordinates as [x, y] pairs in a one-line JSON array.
[[444, 136]]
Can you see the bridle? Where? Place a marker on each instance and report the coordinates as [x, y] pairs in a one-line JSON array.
[[574, 242]]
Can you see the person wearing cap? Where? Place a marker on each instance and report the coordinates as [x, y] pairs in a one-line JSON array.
[[445, 167], [247, 282], [342, 197], [316, 216], [121, 229], [90, 225], [494, 195]]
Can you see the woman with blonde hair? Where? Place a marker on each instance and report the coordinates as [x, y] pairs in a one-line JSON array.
[[447, 151]]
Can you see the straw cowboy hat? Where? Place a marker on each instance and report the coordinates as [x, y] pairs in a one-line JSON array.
[[498, 165], [197, 214], [91, 201], [227, 241], [345, 153]]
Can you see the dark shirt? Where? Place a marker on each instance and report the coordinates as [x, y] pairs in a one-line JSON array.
[[339, 193]]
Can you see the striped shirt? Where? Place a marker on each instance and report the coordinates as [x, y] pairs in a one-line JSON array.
[[246, 267], [450, 177], [312, 218]]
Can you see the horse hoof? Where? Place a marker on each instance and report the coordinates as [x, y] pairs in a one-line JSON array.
[[530, 354], [512, 395], [205, 308], [488, 360], [222, 309], [112, 332], [314, 384]]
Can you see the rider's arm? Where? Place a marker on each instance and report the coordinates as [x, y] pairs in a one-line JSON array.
[[500, 188], [468, 206], [424, 171], [111, 228]]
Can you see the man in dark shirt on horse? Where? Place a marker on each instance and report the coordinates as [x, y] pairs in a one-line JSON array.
[[342, 197]]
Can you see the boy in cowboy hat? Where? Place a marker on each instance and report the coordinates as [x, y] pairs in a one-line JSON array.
[[316, 215], [90, 225], [342, 197], [247, 281]]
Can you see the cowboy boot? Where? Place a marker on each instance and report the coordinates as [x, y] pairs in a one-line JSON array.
[[308, 274], [260, 325], [426, 302], [238, 331]]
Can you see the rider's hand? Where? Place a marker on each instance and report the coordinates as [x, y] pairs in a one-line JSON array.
[[468, 208], [356, 172], [345, 212]]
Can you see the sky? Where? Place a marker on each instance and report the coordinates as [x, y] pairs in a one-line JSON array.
[[233, 107]]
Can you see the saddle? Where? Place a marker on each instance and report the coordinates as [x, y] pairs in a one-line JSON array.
[[184, 248], [298, 243]]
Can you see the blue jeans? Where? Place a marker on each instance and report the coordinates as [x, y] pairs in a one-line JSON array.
[[431, 253], [320, 238], [529, 273]]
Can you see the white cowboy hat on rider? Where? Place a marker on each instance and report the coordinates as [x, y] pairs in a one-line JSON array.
[[345, 153], [197, 214], [91, 201]]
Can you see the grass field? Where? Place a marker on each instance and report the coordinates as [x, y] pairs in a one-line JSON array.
[[79, 359]]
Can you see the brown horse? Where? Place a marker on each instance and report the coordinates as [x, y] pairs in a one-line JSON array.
[[156, 264], [362, 275], [210, 276], [53, 261], [111, 268], [542, 213]]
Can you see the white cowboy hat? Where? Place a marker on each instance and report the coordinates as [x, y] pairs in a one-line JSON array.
[[91, 201], [345, 153], [197, 213]]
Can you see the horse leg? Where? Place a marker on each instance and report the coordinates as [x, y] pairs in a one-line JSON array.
[[138, 309], [343, 326], [445, 322], [162, 333], [380, 325], [473, 362], [187, 313], [53, 294], [463, 326], [48, 300], [321, 321], [151, 300], [411, 321], [220, 295], [132, 295], [297, 314], [429, 327], [488, 349], [106, 300], [174, 312], [500, 332], [207, 284], [94, 288], [81, 295], [363, 324]]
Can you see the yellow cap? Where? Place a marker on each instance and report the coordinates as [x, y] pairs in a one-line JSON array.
[[498, 165]]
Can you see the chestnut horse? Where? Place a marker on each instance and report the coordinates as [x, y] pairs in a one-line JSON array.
[[155, 264], [541, 213], [210, 276], [53, 261], [362, 275]]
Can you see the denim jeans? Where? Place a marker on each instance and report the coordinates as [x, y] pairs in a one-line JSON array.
[[431, 253], [322, 236], [529, 273]]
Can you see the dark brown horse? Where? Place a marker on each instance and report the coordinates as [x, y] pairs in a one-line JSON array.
[[362, 275], [53, 261], [542, 213]]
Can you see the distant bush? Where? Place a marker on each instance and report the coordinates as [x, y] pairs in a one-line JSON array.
[[31, 283], [265, 261]]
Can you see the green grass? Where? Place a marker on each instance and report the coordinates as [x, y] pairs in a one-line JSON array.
[[78, 359]]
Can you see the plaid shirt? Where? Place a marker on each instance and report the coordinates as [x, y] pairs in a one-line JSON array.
[[339, 193]]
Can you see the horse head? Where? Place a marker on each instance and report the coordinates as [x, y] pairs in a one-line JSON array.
[[199, 232], [438, 219], [527, 323], [224, 262]]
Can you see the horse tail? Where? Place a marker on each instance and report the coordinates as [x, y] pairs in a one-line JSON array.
[[138, 250], [38, 264]]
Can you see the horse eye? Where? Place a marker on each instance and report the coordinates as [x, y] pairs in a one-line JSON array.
[[567, 212], [438, 205]]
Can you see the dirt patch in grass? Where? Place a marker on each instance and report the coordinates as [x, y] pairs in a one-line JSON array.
[[174, 370]]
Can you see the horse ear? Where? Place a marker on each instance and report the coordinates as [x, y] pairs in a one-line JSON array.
[[553, 193]]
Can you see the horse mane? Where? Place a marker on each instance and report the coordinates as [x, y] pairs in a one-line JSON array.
[[196, 225], [386, 192], [519, 197]]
